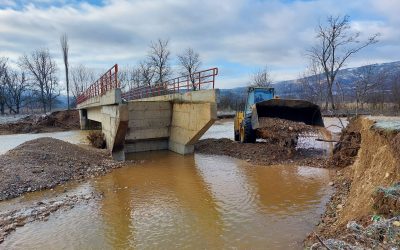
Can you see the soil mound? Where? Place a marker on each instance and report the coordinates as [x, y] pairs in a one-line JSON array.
[[46, 162], [262, 153], [282, 132], [56, 121]]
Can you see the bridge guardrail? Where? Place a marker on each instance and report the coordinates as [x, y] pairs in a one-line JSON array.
[[195, 81], [105, 83]]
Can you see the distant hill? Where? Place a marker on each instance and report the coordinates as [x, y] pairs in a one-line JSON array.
[[347, 77]]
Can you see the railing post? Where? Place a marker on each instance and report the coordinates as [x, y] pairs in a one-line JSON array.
[[213, 77], [116, 75], [199, 81]]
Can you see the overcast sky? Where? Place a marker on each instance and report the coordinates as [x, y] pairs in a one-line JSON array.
[[238, 36]]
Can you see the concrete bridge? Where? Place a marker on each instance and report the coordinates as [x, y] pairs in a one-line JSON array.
[[172, 115]]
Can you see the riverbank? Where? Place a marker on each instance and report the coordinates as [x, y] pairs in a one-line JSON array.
[[56, 121], [362, 211], [262, 153], [46, 162]]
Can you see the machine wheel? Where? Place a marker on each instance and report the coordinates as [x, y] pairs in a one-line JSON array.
[[237, 135], [247, 134]]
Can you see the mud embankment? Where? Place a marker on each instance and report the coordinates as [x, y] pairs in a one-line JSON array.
[[278, 145], [362, 212], [46, 162], [56, 121], [262, 153]]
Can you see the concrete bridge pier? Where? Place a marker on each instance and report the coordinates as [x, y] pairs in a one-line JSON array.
[[173, 122]]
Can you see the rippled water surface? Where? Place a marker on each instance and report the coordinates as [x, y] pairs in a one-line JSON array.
[[170, 201]]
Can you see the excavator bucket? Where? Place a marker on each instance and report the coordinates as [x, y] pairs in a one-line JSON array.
[[288, 109]]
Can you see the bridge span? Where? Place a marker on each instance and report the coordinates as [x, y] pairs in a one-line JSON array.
[[171, 115]]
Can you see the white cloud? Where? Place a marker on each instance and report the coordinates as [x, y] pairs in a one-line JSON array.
[[240, 32]]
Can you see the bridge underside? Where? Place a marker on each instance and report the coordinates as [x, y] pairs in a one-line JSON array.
[[173, 122]]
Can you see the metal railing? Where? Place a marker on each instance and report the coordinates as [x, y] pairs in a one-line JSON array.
[[106, 82], [196, 81]]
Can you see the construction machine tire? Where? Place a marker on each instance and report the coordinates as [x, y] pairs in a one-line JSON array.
[[248, 135], [237, 136]]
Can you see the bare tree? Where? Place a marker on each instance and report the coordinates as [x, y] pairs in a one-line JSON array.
[[159, 56], [52, 91], [81, 78], [313, 83], [129, 77], [146, 73], [369, 78], [395, 90], [3, 79], [336, 43], [17, 84], [261, 78], [190, 62], [64, 49], [43, 70]]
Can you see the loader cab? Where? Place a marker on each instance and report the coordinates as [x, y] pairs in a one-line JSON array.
[[258, 94]]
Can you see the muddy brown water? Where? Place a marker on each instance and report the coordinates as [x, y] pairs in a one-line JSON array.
[[169, 201]]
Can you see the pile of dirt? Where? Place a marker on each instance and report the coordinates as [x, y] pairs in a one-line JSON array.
[[345, 151], [282, 132], [47, 162], [56, 121], [365, 190], [262, 153]]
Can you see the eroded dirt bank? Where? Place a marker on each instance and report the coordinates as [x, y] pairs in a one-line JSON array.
[[56, 121], [46, 162], [364, 211]]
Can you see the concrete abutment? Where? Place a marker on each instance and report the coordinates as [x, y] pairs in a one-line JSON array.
[[173, 122]]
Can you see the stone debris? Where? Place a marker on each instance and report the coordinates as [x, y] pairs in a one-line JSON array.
[[381, 234], [11, 220]]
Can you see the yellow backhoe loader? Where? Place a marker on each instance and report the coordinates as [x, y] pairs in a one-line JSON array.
[[262, 102]]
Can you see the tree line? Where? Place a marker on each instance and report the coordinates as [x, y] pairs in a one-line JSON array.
[[33, 81], [156, 67]]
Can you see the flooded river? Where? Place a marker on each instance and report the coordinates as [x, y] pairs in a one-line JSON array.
[[169, 201]]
